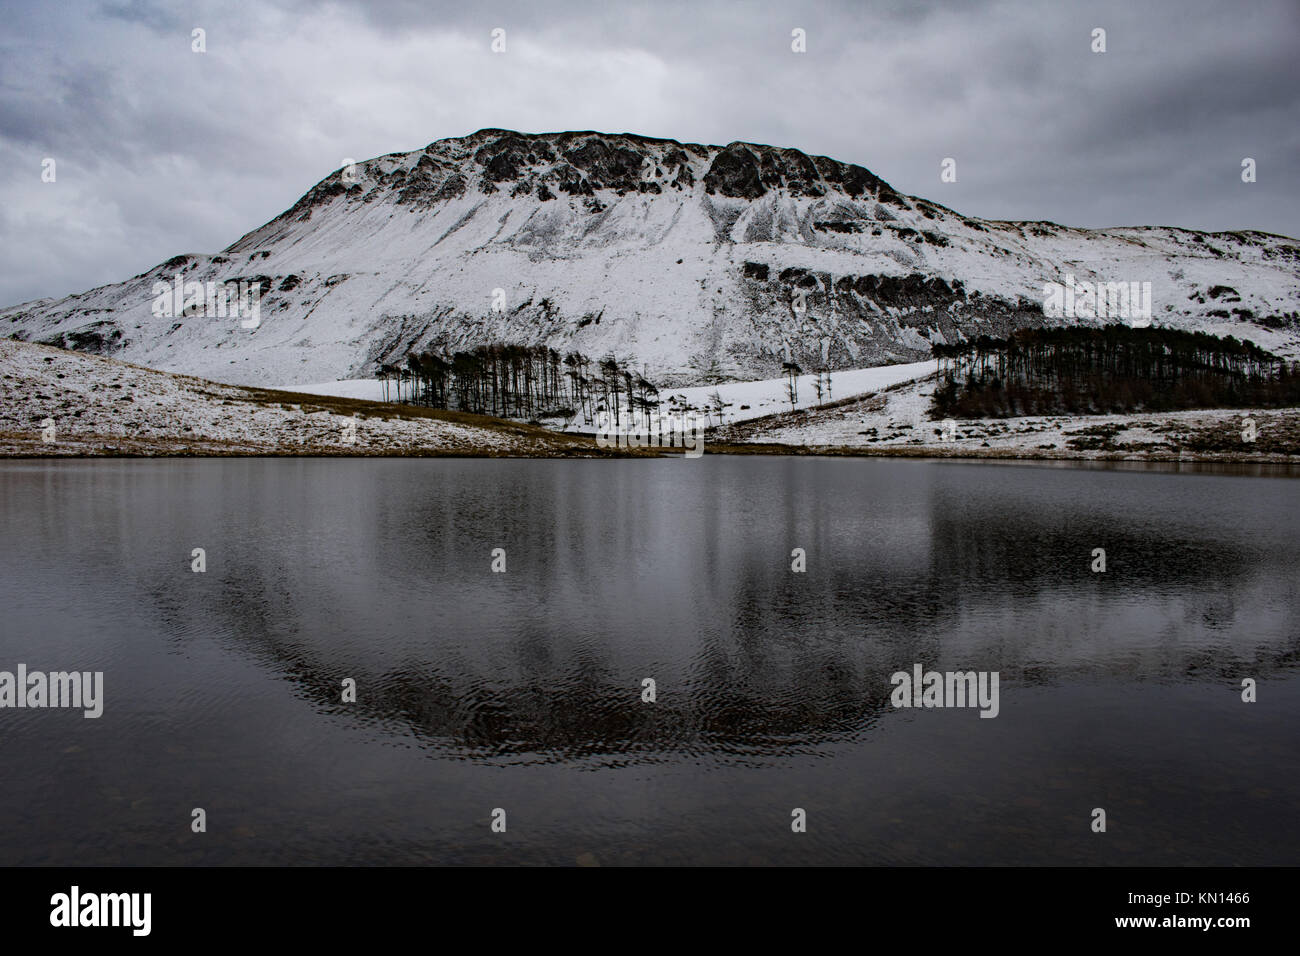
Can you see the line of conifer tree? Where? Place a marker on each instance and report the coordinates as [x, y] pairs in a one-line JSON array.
[[520, 381], [1114, 368]]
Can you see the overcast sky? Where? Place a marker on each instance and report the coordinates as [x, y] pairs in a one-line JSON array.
[[161, 151]]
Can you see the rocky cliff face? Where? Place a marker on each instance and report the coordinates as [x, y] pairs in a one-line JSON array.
[[687, 260]]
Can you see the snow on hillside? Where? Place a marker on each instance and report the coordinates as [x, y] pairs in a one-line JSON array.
[[59, 403], [896, 420], [64, 403], [366, 389], [743, 400], [748, 400], [684, 261]]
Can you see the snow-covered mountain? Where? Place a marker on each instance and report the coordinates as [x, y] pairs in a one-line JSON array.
[[683, 259]]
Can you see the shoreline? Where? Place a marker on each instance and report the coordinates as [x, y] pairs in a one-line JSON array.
[[24, 448], [59, 404]]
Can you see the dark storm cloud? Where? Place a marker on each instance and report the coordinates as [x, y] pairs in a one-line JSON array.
[[162, 151]]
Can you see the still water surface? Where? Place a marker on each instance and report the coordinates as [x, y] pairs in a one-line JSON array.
[[522, 690]]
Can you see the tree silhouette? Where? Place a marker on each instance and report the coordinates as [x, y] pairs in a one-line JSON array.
[[1115, 368]]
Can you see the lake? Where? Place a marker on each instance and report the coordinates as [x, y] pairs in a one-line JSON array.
[[523, 690]]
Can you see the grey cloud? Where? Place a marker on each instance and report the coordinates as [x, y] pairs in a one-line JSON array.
[[162, 151]]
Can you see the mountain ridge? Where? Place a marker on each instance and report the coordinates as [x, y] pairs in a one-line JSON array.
[[689, 261]]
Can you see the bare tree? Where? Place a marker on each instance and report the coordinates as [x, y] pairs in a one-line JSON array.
[[719, 405], [793, 371]]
